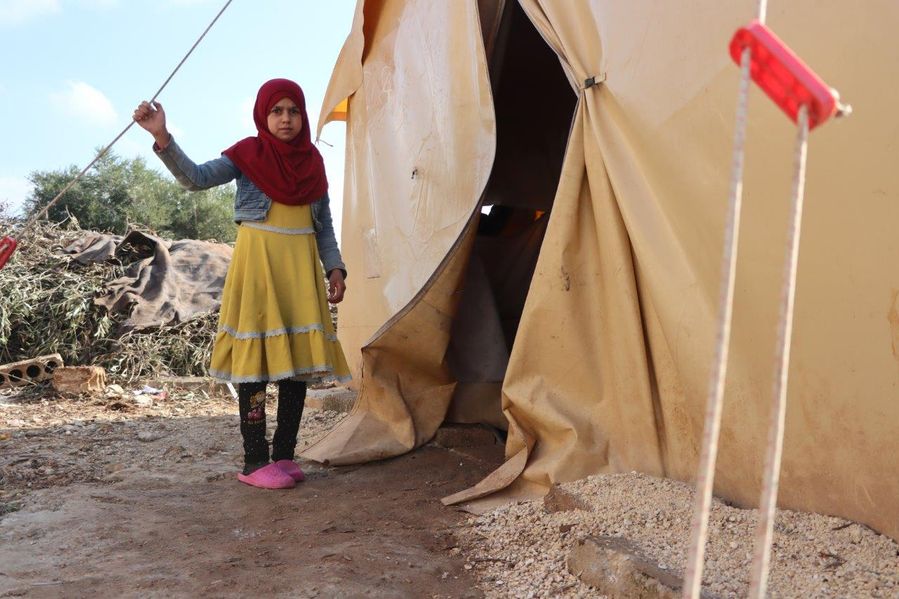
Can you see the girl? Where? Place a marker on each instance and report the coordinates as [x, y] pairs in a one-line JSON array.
[[274, 323]]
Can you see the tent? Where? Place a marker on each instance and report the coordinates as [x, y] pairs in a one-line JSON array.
[[534, 215]]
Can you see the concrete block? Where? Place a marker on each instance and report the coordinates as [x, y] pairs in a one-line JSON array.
[[79, 379], [32, 370]]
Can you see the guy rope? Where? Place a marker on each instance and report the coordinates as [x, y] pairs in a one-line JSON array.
[[804, 97], [8, 244]]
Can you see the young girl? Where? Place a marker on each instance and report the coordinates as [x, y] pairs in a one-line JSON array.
[[274, 323]]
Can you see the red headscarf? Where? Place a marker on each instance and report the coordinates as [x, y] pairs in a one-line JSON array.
[[287, 172]]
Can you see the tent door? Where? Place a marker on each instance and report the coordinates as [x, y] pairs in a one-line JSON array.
[[534, 105]]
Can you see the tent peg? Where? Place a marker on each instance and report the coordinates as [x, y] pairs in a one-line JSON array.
[[784, 77]]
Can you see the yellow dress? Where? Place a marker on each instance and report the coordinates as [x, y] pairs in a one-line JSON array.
[[274, 322]]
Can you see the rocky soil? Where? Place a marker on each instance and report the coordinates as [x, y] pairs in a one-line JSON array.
[[521, 550]]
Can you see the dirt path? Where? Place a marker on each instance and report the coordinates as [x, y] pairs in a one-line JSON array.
[[108, 498]]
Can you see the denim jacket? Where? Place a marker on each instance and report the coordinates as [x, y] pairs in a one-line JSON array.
[[250, 203]]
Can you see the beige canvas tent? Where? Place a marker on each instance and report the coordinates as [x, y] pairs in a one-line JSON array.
[[580, 313]]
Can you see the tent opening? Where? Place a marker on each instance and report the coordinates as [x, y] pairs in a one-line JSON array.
[[534, 104]]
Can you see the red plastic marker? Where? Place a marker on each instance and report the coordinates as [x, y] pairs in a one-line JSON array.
[[7, 247], [783, 76]]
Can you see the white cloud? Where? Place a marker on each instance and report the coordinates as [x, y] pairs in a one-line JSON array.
[[13, 191], [16, 12], [83, 101]]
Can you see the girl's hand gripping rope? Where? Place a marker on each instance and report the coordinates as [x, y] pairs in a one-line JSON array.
[[152, 118]]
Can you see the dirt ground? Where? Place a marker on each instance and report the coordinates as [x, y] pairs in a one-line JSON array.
[[129, 495], [136, 497]]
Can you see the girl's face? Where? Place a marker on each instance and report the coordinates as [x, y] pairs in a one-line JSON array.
[[285, 120]]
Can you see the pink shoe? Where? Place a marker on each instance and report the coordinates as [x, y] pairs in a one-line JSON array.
[[291, 469], [267, 477]]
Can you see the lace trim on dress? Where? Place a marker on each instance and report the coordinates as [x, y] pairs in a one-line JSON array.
[[314, 371], [277, 332]]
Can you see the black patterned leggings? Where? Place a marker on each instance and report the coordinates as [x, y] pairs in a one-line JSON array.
[[251, 399]]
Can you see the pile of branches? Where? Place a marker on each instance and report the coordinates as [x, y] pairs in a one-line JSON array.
[[47, 306]]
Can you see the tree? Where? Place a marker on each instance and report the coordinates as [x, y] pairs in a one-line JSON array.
[[205, 215], [99, 200], [117, 193]]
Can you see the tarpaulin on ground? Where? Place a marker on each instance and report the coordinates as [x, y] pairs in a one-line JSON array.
[[168, 283]]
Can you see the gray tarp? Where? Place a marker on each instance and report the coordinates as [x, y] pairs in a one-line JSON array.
[[170, 282]]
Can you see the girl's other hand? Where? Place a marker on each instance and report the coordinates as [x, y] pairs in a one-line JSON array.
[[336, 286], [152, 118]]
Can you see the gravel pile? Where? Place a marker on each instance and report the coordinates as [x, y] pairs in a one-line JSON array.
[[520, 550]]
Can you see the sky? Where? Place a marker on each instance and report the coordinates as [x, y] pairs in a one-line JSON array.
[[74, 70]]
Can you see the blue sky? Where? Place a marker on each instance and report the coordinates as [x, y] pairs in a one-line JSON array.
[[73, 71]]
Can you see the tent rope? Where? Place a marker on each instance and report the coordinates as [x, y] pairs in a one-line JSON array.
[[712, 426], [31, 221], [768, 501], [762, 11]]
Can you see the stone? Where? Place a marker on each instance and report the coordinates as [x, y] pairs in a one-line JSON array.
[[616, 568], [148, 436], [79, 379], [559, 500]]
